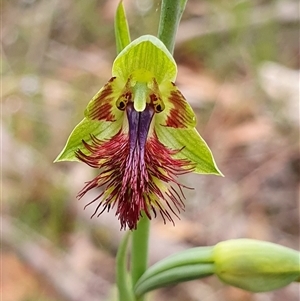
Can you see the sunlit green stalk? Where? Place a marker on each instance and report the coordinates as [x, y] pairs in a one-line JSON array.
[[122, 276], [171, 12], [139, 251]]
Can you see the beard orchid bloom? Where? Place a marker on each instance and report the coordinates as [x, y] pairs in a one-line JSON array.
[[139, 132]]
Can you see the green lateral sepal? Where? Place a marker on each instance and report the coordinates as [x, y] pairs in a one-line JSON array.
[[192, 146], [83, 131]]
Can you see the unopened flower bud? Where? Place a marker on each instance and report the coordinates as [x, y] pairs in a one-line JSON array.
[[256, 266]]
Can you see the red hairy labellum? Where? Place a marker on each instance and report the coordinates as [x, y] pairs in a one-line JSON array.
[[137, 172]]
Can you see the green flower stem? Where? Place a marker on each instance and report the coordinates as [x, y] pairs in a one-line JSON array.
[[139, 251], [171, 12], [122, 277]]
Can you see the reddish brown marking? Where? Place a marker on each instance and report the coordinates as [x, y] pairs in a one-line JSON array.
[[153, 98], [103, 104], [178, 117], [103, 112], [128, 96]]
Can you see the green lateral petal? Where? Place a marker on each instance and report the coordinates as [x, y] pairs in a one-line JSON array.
[[145, 53], [177, 113], [194, 148], [83, 131], [121, 28], [103, 104]]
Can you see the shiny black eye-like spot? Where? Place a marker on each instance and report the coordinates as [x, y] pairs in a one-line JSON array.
[[158, 108], [123, 100], [121, 105]]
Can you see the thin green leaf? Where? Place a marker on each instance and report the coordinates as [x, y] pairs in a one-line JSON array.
[[191, 264], [187, 257], [121, 28], [174, 276]]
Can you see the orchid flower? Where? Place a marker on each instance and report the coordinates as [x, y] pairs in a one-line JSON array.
[[139, 132]]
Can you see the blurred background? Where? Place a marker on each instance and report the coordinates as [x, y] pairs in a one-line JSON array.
[[238, 67]]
